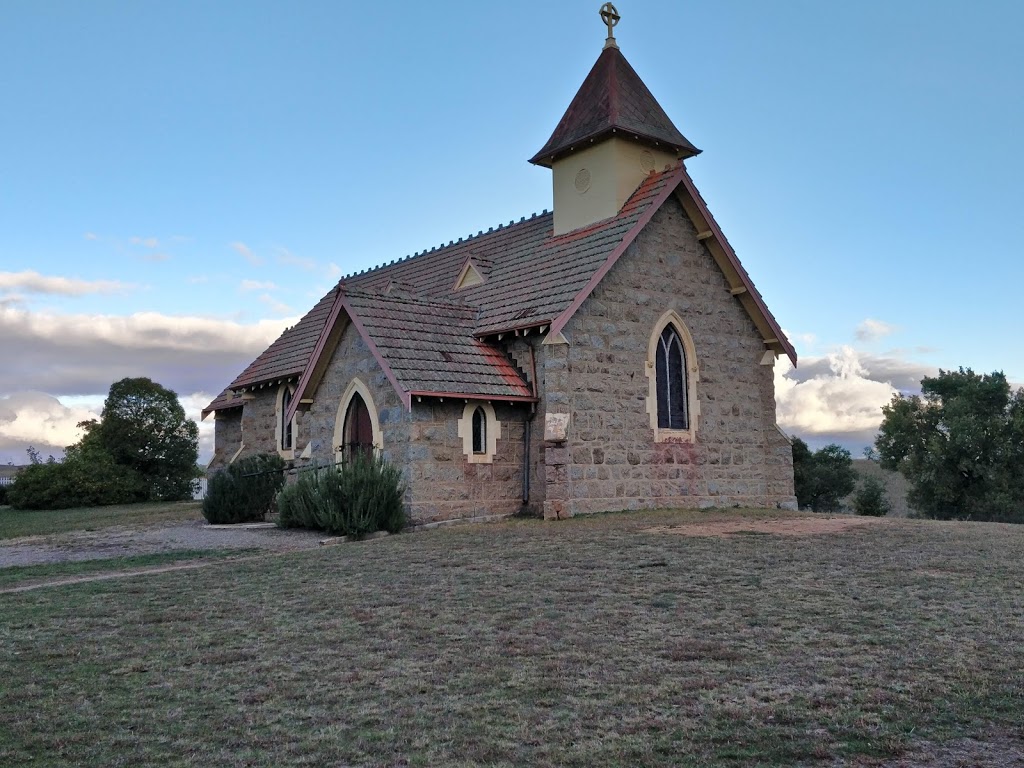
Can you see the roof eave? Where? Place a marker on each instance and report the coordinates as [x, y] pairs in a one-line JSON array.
[[547, 157]]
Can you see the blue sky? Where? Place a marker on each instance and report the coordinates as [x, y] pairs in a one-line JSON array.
[[181, 180]]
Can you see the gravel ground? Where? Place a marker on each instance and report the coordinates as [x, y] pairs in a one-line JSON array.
[[123, 542]]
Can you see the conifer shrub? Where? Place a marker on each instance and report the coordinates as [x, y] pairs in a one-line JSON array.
[[246, 491], [362, 496]]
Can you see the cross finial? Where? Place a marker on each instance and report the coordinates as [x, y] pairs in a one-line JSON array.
[[610, 16]]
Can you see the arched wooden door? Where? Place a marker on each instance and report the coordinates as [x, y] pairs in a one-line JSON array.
[[358, 428]]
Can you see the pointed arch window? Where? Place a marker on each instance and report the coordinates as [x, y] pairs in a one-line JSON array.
[[284, 428], [672, 376], [286, 425], [479, 431], [673, 410]]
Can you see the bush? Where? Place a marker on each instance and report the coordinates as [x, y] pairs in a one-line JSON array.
[[360, 497], [3, 495], [870, 498], [245, 491], [83, 479], [821, 479]]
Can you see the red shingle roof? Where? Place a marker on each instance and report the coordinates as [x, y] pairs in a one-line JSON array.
[[430, 339], [613, 99]]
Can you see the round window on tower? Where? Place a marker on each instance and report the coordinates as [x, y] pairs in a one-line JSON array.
[[582, 180]]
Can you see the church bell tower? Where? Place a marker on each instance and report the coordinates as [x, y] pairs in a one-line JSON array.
[[613, 135]]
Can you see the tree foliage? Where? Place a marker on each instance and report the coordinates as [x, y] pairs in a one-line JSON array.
[[821, 479], [143, 449], [871, 499], [960, 444]]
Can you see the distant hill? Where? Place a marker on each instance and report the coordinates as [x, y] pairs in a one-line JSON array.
[[895, 486]]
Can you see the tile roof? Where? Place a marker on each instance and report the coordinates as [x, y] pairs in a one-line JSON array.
[[225, 400], [612, 99], [431, 339], [430, 347]]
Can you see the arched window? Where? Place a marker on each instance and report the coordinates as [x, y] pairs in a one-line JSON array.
[[479, 431], [673, 412], [672, 376], [286, 425], [358, 428], [284, 428]]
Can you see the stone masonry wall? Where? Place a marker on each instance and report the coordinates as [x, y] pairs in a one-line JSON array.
[[519, 349], [611, 460], [227, 436], [444, 485], [352, 358]]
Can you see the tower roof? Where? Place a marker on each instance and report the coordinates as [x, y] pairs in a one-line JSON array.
[[613, 100]]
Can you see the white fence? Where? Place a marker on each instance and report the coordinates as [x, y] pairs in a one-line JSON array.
[[6, 480]]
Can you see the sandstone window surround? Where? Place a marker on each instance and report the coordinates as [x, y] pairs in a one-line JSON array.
[[480, 429], [672, 376], [284, 431], [356, 389]]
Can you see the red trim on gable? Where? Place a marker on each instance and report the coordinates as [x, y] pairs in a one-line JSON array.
[[340, 303], [734, 260]]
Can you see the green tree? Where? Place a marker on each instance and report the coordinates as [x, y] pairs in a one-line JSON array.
[[821, 479], [871, 499], [144, 428], [960, 444], [143, 449]]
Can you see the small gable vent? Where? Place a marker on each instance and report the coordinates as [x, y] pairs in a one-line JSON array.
[[469, 276]]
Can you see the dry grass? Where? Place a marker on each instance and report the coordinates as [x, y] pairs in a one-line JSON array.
[[15, 523], [582, 643]]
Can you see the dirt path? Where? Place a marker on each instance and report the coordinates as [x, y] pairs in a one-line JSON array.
[[78, 546], [133, 572]]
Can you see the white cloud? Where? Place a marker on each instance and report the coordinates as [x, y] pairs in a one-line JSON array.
[[91, 236], [145, 242], [872, 330], [839, 398], [40, 420], [256, 285], [51, 424], [33, 282], [79, 354], [246, 253]]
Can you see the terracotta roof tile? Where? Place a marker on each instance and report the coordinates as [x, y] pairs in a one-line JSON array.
[[613, 98], [430, 336]]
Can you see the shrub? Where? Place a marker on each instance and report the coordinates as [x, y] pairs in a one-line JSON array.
[[88, 478], [822, 478], [870, 498], [360, 497], [3, 495], [245, 491]]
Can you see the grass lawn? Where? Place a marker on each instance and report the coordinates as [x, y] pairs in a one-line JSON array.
[[15, 523], [580, 643]]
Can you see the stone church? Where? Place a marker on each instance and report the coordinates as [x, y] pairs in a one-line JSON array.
[[611, 354]]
